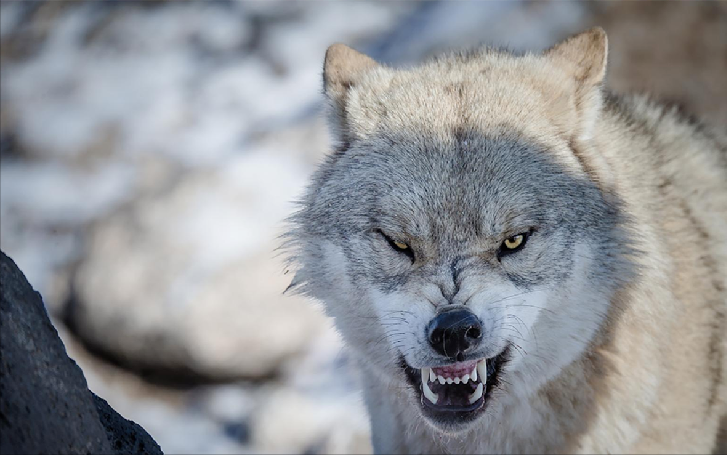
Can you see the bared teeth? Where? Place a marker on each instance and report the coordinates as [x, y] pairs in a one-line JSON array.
[[478, 376], [431, 396], [482, 370], [477, 394]]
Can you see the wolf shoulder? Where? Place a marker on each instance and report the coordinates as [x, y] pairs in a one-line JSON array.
[[665, 137]]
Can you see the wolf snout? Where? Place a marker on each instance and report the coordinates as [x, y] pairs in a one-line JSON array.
[[453, 332]]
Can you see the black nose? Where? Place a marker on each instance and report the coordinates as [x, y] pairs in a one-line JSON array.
[[454, 331]]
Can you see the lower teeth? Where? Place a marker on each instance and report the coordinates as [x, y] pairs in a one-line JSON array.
[[478, 393], [431, 396]]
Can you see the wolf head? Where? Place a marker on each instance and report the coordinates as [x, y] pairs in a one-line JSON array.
[[464, 234]]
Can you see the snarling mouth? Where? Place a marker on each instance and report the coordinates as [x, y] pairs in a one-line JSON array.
[[456, 393]]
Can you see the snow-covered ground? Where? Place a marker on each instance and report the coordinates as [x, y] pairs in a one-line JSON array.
[[150, 153]]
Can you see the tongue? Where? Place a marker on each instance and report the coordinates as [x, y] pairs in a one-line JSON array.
[[455, 370]]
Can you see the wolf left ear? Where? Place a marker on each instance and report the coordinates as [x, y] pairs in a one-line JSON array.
[[582, 58], [342, 68], [583, 55]]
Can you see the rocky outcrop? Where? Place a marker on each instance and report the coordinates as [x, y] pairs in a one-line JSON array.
[[45, 405]]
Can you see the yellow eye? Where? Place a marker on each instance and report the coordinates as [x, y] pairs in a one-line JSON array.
[[400, 245], [514, 242]]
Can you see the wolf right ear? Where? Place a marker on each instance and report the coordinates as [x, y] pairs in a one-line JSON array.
[[342, 69]]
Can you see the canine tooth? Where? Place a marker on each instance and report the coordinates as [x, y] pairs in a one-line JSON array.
[[465, 379], [473, 375], [449, 380], [482, 370], [425, 374], [456, 380], [477, 394], [440, 378], [432, 376], [431, 396]]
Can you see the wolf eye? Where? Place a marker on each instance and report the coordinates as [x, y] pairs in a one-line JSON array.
[[513, 244], [401, 247]]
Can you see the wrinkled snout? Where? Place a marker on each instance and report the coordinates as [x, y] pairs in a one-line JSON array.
[[454, 331]]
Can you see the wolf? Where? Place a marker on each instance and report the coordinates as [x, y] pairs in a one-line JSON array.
[[518, 260]]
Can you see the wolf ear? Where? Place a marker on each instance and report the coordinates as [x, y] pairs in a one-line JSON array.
[[342, 69], [583, 55], [583, 59]]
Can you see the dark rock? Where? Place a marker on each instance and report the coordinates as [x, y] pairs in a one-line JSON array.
[[125, 436], [45, 404]]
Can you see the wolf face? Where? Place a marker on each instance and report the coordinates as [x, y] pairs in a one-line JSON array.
[[456, 236]]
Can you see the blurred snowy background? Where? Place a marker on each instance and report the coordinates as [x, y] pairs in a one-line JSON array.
[[150, 152]]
